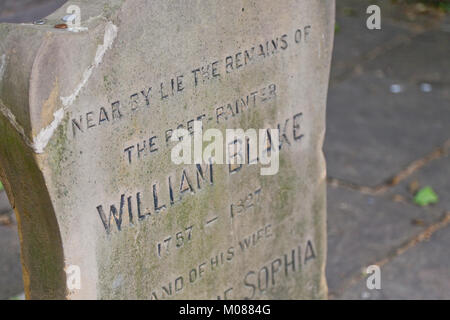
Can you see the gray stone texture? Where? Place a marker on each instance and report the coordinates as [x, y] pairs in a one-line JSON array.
[[372, 136], [81, 96], [364, 229], [420, 273], [410, 49]]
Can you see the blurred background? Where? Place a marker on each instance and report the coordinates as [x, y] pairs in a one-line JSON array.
[[387, 146]]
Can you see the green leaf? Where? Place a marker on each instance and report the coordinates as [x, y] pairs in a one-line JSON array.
[[1, 186], [337, 28], [426, 196]]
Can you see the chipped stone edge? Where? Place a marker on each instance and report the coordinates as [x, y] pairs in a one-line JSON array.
[[41, 140], [12, 119]]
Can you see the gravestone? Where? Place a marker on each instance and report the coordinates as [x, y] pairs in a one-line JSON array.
[[87, 117]]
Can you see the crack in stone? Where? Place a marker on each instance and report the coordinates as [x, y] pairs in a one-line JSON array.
[[397, 178], [12, 119], [411, 243], [2, 65], [351, 69]]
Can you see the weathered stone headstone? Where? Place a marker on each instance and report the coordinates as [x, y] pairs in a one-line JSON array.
[[87, 115]]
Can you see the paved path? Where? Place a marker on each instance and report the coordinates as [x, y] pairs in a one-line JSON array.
[[27, 10], [378, 144]]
